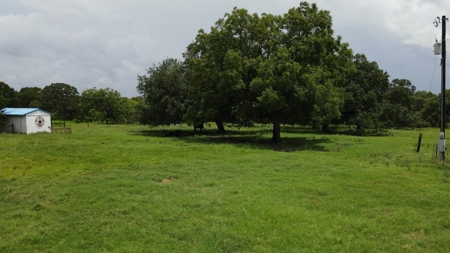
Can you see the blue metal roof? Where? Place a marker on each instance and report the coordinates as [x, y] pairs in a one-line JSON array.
[[19, 111]]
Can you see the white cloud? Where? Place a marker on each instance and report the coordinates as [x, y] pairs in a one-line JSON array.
[[107, 43], [411, 21]]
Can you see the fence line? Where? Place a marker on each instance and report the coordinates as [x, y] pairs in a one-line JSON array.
[[63, 124]]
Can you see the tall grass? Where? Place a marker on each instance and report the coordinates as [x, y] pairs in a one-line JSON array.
[[117, 188]]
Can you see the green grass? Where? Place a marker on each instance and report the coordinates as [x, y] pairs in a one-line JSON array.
[[135, 189]]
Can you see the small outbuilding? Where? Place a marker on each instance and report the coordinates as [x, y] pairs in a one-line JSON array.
[[27, 120]]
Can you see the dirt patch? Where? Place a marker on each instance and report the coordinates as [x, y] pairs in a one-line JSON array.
[[166, 180]]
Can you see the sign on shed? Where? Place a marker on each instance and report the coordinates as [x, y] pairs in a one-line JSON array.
[[27, 120]]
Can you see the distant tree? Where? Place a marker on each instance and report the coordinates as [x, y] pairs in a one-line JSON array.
[[8, 96], [3, 100], [139, 108], [398, 110], [2, 105], [35, 104], [60, 99], [425, 106], [365, 93], [431, 111], [401, 92], [28, 94], [101, 105], [165, 90], [2, 119], [130, 110]]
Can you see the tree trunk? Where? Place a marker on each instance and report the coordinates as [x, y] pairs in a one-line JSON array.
[[220, 127], [325, 128], [276, 135]]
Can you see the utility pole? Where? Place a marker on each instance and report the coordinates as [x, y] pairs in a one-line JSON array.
[[441, 141]]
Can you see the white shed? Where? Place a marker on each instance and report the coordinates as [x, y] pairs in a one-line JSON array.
[[27, 120]]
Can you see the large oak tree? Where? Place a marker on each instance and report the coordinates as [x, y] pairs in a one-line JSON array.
[[266, 68]]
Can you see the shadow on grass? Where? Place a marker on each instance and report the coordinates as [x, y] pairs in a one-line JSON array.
[[248, 138], [337, 130]]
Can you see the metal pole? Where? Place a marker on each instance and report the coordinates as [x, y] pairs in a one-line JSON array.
[[443, 118]]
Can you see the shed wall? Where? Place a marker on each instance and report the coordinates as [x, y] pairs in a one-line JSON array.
[[20, 125], [38, 121]]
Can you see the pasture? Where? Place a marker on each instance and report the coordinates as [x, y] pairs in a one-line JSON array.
[[118, 188]]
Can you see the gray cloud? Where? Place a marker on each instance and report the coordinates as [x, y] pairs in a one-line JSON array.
[[107, 43]]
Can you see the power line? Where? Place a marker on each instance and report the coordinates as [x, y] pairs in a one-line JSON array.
[[434, 71]]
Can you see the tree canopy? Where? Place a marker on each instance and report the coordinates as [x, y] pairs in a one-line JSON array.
[[101, 105], [165, 90], [266, 68], [364, 93], [60, 99], [29, 97], [8, 96]]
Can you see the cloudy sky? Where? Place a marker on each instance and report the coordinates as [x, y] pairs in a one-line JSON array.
[[107, 43]]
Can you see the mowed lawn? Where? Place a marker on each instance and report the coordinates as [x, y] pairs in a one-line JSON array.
[[118, 188]]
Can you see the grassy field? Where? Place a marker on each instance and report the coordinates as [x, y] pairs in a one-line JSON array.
[[117, 188]]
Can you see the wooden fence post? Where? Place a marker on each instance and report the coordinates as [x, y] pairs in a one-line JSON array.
[[419, 142]]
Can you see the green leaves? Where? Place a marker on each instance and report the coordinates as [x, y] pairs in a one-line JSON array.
[[60, 99], [8, 96], [271, 101], [252, 68], [101, 105], [27, 95], [364, 90], [165, 91]]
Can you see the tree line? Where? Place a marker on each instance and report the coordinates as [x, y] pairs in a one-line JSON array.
[[253, 69], [66, 103]]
